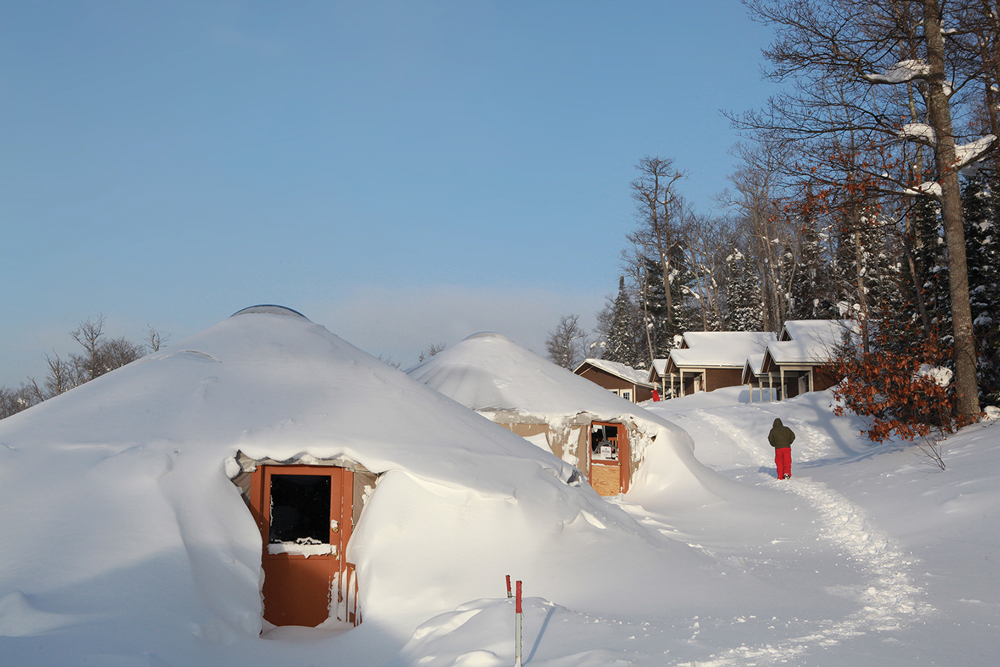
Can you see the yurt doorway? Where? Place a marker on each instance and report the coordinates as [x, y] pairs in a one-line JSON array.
[[306, 520], [609, 458]]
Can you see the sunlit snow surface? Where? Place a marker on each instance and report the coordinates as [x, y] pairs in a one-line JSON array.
[[124, 543]]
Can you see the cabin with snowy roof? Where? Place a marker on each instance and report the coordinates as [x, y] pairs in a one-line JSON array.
[[599, 432], [799, 360], [710, 360], [762, 385], [618, 378]]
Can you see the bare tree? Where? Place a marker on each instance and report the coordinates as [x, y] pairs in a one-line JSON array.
[[846, 58], [100, 355], [90, 335], [707, 242], [760, 232], [657, 204], [13, 401], [119, 352], [154, 339], [605, 317], [61, 377], [389, 361], [432, 349], [566, 344]]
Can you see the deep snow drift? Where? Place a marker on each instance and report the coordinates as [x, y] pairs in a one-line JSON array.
[[124, 543]]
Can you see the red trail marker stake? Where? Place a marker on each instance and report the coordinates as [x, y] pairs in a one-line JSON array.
[[509, 595], [517, 628]]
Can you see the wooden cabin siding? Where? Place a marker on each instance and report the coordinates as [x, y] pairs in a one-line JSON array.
[[717, 378], [612, 382], [824, 378]]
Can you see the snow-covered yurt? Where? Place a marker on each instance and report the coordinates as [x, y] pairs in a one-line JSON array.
[[179, 509], [602, 434]]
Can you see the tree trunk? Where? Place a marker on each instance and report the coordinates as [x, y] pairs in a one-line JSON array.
[[939, 113]]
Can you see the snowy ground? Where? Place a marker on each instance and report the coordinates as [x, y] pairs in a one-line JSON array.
[[868, 555], [872, 555]]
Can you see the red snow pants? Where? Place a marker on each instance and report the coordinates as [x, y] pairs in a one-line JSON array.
[[783, 461]]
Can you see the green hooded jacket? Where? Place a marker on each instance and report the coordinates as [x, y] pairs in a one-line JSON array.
[[780, 436]]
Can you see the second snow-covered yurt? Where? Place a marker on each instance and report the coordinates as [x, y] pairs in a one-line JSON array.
[[602, 434]]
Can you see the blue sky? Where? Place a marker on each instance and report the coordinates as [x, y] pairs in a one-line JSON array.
[[403, 173]]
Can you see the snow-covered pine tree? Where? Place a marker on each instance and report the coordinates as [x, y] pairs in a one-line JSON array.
[[685, 316], [813, 292], [622, 340], [931, 263], [980, 204], [743, 298], [655, 310]]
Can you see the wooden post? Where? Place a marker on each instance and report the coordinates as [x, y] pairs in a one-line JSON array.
[[517, 628]]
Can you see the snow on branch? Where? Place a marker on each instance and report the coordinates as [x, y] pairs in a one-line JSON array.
[[929, 188], [901, 72], [920, 132], [970, 152]]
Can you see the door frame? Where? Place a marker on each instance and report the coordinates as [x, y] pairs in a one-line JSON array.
[[341, 573], [624, 455]]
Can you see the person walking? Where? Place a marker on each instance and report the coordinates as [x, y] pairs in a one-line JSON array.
[[781, 438]]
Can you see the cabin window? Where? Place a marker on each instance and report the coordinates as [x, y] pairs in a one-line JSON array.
[[300, 509]]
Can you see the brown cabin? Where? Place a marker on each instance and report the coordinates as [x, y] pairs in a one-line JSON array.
[[800, 360], [617, 378], [709, 360]]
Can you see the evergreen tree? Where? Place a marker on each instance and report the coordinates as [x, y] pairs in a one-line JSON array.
[[622, 340], [813, 292], [684, 313], [655, 310], [980, 203], [743, 300], [931, 263]]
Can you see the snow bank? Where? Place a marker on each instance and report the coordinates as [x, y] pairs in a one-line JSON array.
[[123, 534]]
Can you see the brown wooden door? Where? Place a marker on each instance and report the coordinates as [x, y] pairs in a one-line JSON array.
[[305, 519]]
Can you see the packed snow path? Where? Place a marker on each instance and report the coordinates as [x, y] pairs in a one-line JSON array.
[[888, 597]]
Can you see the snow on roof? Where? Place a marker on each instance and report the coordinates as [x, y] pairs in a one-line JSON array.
[[119, 520], [618, 369], [720, 348], [755, 362], [808, 341]]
